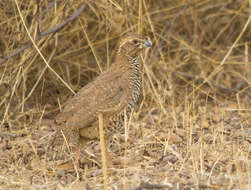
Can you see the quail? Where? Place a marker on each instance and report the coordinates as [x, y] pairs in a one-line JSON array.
[[113, 93]]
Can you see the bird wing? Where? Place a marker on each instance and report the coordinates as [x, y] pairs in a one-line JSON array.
[[104, 93]]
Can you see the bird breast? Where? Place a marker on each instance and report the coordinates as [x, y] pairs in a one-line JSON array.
[[135, 84]]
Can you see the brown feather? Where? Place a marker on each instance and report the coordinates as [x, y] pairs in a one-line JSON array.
[[112, 92]]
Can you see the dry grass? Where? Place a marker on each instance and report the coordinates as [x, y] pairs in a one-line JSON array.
[[193, 129]]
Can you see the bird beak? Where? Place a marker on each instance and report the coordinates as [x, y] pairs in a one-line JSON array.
[[148, 43]]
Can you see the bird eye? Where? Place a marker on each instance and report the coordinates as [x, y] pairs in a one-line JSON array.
[[135, 41]]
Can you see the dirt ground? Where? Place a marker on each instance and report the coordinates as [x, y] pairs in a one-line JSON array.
[[205, 148]]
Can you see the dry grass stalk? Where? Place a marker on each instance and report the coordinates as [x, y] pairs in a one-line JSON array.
[[103, 149]]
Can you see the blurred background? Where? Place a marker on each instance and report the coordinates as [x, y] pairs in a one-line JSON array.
[[194, 122]]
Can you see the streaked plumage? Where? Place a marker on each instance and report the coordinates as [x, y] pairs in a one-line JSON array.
[[112, 92]]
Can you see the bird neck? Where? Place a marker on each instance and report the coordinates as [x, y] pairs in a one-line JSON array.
[[130, 66], [131, 69], [131, 72], [127, 63]]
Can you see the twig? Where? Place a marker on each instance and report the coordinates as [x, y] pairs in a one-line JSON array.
[[146, 185], [220, 66], [37, 27], [41, 34], [71, 19], [39, 52], [213, 83], [4, 134], [170, 25], [72, 158]]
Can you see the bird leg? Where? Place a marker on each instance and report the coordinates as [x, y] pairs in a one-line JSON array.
[[92, 133]]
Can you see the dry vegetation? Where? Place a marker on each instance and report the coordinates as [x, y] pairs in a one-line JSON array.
[[193, 130]]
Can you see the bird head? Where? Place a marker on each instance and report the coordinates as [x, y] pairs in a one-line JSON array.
[[133, 44]]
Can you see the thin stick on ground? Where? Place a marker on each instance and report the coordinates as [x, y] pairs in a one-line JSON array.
[[103, 149], [73, 160]]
